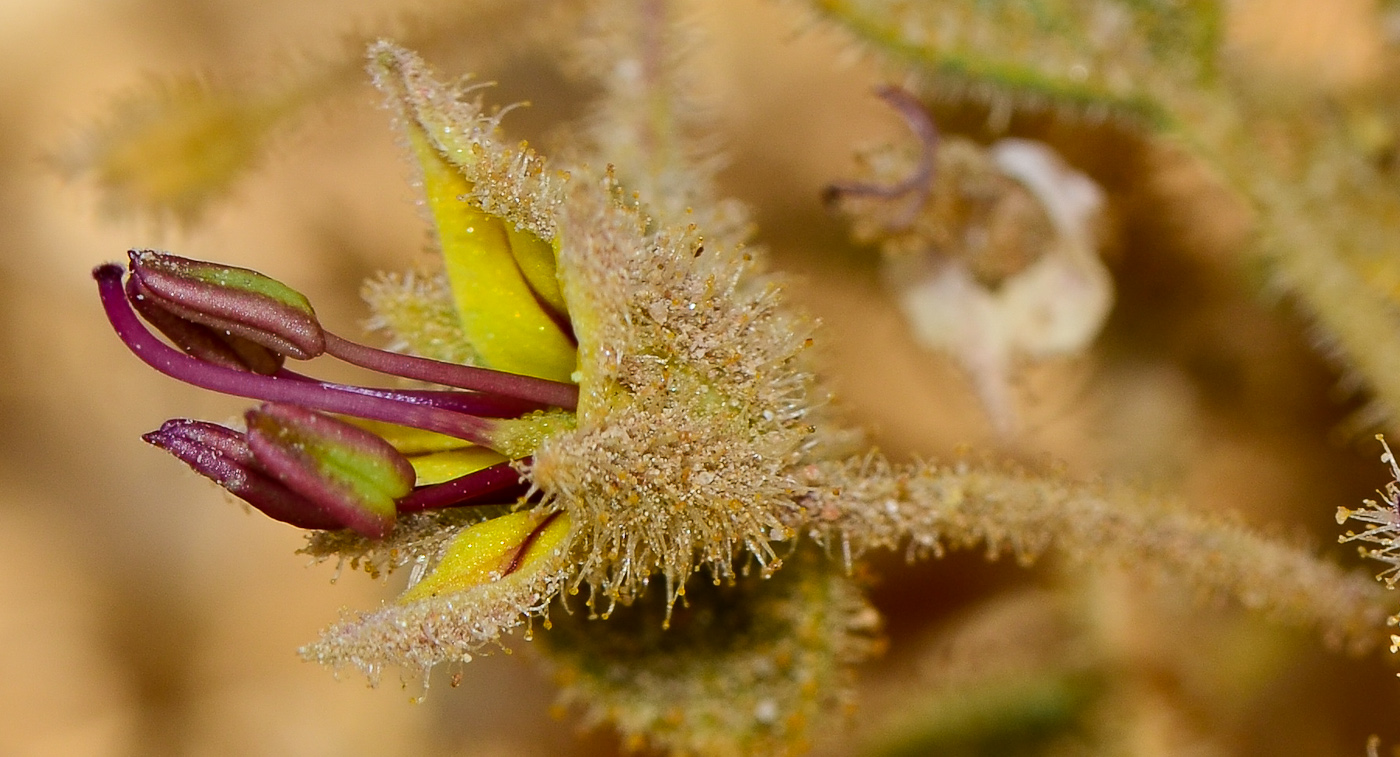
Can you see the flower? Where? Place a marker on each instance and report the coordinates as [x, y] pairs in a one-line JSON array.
[[991, 253], [369, 466], [638, 408], [396, 452]]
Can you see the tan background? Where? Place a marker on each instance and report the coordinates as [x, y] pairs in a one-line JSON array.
[[143, 613]]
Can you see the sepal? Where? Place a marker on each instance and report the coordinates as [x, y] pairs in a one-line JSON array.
[[457, 622]]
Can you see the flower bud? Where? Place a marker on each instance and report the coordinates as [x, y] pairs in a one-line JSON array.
[[349, 472], [241, 302]]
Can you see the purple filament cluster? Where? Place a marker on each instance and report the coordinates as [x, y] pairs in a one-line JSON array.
[[467, 411]]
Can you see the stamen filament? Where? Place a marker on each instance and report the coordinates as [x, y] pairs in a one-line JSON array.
[[312, 395], [553, 393], [920, 183], [461, 490], [479, 404]]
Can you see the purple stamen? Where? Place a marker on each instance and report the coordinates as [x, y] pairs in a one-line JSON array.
[[551, 393], [216, 439], [217, 312], [462, 490], [920, 183], [313, 395], [200, 341], [245, 303], [471, 403], [223, 456], [349, 472]]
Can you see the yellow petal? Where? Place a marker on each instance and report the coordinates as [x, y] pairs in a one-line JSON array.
[[438, 467], [409, 441], [481, 554], [505, 324], [548, 540], [537, 260]]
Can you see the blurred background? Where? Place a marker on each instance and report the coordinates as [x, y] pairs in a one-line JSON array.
[[144, 613]]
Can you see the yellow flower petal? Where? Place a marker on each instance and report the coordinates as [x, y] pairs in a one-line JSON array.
[[408, 441], [505, 324], [482, 553], [537, 260], [438, 467]]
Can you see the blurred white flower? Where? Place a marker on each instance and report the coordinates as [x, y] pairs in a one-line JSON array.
[[1054, 305]]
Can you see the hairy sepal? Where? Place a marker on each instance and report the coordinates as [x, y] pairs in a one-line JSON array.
[[787, 646], [491, 206], [694, 396], [449, 626]]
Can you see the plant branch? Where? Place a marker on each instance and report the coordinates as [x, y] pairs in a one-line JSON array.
[[867, 503]]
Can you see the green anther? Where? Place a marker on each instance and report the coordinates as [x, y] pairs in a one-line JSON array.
[[253, 282]]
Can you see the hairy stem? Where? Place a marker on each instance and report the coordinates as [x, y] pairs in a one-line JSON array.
[[1358, 319], [867, 503]]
